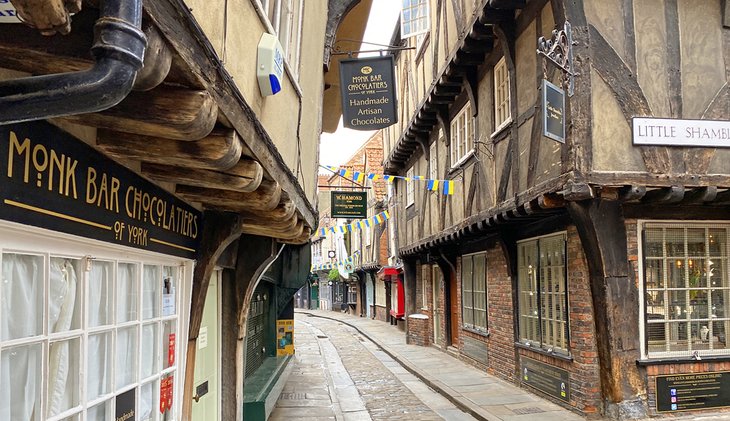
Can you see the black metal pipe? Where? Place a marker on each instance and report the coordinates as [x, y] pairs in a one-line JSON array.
[[118, 50]]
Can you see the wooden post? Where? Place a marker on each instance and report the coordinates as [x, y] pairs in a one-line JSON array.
[[219, 231], [602, 230]]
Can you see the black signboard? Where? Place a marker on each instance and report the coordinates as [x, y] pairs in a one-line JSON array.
[[50, 179], [368, 93], [125, 406], [349, 205], [689, 392], [553, 111], [546, 378]]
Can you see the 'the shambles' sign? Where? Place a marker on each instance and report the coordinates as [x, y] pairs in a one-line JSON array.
[[349, 205], [368, 93], [51, 180]]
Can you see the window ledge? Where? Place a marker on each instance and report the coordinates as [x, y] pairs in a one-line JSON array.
[[483, 333], [502, 128], [461, 162], [556, 355], [682, 360]]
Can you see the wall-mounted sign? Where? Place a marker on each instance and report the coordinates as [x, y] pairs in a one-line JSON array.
[[688, 392], [284, 337], [672, 132], [349, 204], [269, 65], [546, 378], [125, 404], [553, 112], [8, 14], [50, 179], [368, 93]]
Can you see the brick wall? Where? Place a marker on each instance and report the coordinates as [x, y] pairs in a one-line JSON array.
[[417, 333], [500, 316], [379, 312]]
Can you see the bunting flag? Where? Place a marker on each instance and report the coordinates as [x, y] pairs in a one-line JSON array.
[[386, 214], [335, 263], [378, 219], [445, 186], [357, 225]]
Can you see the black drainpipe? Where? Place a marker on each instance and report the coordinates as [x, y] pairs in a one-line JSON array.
[[118, 49]]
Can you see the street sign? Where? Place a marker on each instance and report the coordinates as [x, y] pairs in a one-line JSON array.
[[367, 89], [349, 205]]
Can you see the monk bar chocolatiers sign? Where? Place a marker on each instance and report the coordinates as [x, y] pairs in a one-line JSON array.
[[368, 93], [52, 180], [349, 205], [687, 392]]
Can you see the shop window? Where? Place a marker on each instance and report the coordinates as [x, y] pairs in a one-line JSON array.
[[70, 339], [474, 291], [502, 114], [686, 289], [462, 135], [410, 191], [414, 19], [543, 298], [285, 17]]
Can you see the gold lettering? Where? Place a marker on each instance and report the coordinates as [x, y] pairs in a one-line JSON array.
[[90, 182], [20, 149]]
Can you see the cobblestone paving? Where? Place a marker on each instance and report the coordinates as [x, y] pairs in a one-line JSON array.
[[385, 396]]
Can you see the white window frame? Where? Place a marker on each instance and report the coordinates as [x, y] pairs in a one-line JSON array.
[[502, 96], [433, 162], [49, 245], [410, 26], [288, 14], [535, 315], [689, 321], [410, 190], [473, 324], [462, 135]]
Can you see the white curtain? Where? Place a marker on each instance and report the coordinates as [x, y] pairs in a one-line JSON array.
[[150, 291], [145, 402], [126, 292], [20, 316], [99, 287], [125, 356]]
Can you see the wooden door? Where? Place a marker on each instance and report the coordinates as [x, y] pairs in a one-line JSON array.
[[453, 309]]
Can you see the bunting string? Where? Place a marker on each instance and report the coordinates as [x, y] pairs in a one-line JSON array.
[[360, 224], [336, 263], [444, 186]]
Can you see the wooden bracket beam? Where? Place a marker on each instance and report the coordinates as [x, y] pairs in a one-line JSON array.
[[664, 195], [265, 198], [244, 177]]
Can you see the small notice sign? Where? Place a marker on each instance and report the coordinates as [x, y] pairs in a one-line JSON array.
[[125, 404], [166, 393], [368, 93], [546, 378], [349, 205], [553, 111], [284, 337], [675, 132], [689, 392], [171, 350]]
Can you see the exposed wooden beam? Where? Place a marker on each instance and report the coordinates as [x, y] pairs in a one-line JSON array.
[[700, 195], [666, 195], [264, 231], [265, 198], [220, 150], [243, 177]]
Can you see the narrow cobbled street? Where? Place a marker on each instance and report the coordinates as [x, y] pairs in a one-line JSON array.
[[341, 375]]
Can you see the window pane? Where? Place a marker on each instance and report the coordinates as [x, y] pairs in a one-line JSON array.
[[98, 379], [126, 361], [100, 296], [168, 290], [527, 279], [20, 383], [678, 304], [654, 273], [64, 295], [718, 334], [100, 412], [127, 277], [168, 328], [653, 239], [63, 376], [147, 403], [480, 291], [151, 292], [676, 273], [21, 305], [467, 290], [149, 355], [675, 242]]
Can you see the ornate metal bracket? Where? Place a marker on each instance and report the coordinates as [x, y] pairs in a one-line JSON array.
[[559, 50]]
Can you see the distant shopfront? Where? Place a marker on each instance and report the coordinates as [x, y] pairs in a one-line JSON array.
[[97, 265]]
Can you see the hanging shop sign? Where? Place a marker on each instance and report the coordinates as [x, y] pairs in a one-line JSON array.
[[553, 112], [50, 179], [673, 132], [349, 204], [689, 392], [546, 378], [368, 93]]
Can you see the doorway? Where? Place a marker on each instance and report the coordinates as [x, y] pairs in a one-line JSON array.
[[436, 311], [207, 358], [453, 310]]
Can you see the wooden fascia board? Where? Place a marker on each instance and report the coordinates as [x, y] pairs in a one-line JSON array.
[[187, 39]]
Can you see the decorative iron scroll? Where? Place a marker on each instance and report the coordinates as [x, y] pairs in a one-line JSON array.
[[559, 50]]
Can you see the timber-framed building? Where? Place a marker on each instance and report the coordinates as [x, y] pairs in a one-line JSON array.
[[585, 265]]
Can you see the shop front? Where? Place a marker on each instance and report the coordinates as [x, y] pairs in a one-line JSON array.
[[97, 268]]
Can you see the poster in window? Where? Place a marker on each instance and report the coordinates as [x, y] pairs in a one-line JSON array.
[[171, 350], [166, 392], [125, 405]]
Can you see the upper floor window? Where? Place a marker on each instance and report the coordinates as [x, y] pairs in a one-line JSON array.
[[462, 134], [474, 290], [543, 298], [433, 166], [414, 18], [285, 17], [686, 288], [502, 116], [410, 192]]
